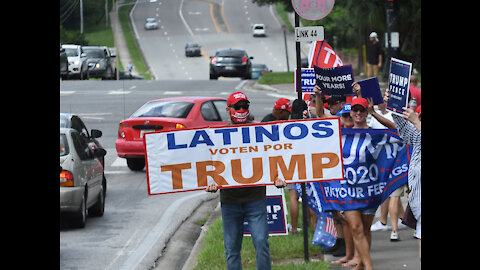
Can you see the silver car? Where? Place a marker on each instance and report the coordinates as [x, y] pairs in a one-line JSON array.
[[77, 65], [151, 23], [82, 182]]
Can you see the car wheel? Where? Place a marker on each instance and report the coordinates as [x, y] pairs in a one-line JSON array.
[[80, 218], [213, 77], [98, 208], [136, 164]]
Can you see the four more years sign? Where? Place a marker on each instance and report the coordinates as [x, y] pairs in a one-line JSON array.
[[244, 155]]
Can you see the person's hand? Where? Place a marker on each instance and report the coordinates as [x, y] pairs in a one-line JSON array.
[[213, 187], [385, 97], [410, 115], [305, 114], [279, 183], [370, 105], [356, 89], [317, 90]]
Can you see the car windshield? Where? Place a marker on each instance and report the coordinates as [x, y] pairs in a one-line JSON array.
[[260, 27], [94, 53], [63, 145], [71, 51], [151, 20], [177, 109]]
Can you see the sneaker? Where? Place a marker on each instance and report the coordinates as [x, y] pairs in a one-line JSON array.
[[394, 236], [378, 226]]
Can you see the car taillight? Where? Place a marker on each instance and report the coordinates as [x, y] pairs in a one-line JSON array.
[[66, 179], [121, 132], [179, 126], [244, 60], [214, 60]]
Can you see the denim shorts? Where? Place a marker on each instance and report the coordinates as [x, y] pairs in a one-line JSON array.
[[369, 211]]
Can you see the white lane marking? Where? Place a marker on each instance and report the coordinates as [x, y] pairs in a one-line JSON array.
[[172, 93], [119, 162], [118, 92], [66, 93]]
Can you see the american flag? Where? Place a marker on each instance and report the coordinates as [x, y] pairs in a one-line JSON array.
[[330, 227]]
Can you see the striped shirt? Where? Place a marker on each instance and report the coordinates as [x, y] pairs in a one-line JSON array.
[[413, 137]]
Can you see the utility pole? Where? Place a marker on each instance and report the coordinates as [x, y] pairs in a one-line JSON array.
[[392, 36], [81, 16]]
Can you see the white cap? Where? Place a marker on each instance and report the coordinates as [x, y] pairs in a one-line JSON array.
[[373, 34]]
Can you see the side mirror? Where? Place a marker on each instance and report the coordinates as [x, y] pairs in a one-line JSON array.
[[96, 133], [251, 57], [83, 55], [99, 152]]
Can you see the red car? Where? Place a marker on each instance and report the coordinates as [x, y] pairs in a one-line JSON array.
[[166, 114]]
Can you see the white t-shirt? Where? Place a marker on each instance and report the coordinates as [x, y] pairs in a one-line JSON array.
[[377, 125]]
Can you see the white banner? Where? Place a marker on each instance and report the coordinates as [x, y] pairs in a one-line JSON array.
[[244, 155]]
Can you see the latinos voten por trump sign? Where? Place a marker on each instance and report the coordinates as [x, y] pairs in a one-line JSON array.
[[244, 155]]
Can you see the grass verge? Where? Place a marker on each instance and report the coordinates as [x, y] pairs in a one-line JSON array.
[[277, 77]]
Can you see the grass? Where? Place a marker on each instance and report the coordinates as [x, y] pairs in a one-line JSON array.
[[135, 55], [286, 251], [277, 77]]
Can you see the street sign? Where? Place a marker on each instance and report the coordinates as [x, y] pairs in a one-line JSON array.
[[309, 33], [313, 9]]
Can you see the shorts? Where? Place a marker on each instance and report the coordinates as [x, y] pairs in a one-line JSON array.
[[398, 192], [365, 212]]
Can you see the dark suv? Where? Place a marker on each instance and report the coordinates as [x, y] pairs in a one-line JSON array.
[[229, 62], [101, 62]]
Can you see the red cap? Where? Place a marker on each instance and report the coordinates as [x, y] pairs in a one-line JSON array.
[[236, 97], [283, 104], [360, 101]]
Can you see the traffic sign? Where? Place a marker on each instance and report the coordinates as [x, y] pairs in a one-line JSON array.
[[313, 9], [309, 33]]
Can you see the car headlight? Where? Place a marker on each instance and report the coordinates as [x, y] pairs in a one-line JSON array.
[[97, 65], [76, 62]]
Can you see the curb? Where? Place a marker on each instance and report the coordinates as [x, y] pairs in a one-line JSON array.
[[193, 257]]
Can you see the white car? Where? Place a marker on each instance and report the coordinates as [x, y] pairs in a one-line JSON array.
[[259, 30], [82, 181], [77, 65], [151, 23]]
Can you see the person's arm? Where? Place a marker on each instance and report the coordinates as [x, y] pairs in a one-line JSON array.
[[384, 121], [412, 116], [319, 102]]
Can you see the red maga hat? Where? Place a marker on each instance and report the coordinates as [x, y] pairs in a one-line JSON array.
[[360, 101], [236, 97], [283, 104]]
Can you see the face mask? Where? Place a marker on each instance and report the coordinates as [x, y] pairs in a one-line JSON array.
[[239, 116]]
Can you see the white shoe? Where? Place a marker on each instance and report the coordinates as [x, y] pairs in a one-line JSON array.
[[378, 226], [394, 236], [401, 225]]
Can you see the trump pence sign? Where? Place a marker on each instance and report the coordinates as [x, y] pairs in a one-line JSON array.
[[244, 155]]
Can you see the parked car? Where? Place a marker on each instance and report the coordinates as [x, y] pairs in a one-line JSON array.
[[151, 23], [82, 182], [258, 30], [63, 62], [68, 120], [230, 62], [163, 115], [192, 49], [77, 65], [258, 69], [101, 63]]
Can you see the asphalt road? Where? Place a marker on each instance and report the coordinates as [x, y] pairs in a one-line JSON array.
[[213, 24]]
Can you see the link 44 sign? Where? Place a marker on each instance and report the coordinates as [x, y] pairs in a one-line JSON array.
[[313, 9], [309, 33]]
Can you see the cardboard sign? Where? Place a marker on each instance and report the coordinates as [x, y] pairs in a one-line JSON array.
[[335, 81], [244, 155], [276, 213], [370, 88], [398, 85], [308, 80]]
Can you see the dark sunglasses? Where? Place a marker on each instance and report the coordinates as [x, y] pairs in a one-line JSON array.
[[358, 108], [239, 107]]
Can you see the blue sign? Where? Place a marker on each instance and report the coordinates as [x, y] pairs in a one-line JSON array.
[[308, 80], [375, 163], [371, 89], [398, 85], [335, 81], [277, 224]]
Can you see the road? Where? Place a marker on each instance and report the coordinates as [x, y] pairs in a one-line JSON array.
[[135, 226], [213, 24]]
